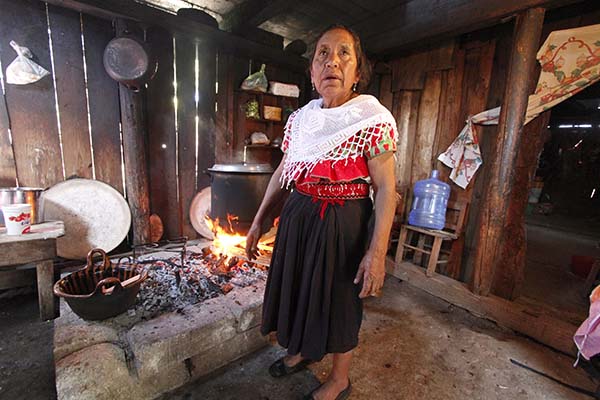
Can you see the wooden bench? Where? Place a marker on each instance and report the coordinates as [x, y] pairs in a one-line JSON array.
[[455, 218], [39, 249]]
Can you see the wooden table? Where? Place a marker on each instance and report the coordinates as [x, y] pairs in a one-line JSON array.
[[37, 247]]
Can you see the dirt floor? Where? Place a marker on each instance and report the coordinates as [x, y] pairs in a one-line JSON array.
[[548, 275], [26, 362], [413, 346]]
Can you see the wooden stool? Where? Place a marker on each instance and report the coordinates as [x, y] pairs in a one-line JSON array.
[[455, 218]]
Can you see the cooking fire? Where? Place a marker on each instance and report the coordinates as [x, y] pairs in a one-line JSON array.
[[196, 273]]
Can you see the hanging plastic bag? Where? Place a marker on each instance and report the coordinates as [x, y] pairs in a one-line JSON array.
[[23, 69], [256, 81]]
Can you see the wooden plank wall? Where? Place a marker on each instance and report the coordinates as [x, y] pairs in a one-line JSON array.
[[451, 82], [68, 123], [55, 122], [31, 108], [431, 104]]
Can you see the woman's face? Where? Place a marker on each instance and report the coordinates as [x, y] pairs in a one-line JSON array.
[[334, 68]]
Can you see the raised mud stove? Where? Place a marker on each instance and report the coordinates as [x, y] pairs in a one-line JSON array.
[[198, 310]]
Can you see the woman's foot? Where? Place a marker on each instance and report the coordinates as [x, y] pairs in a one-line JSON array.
[[331, 389], [291, 361], [288, 365]]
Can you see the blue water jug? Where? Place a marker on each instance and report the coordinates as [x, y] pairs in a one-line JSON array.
[[430, 199]]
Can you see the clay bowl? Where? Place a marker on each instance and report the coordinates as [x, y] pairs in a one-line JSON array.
[[101, 291]]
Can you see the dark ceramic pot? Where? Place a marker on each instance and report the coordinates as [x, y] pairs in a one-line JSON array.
[[96, 292]]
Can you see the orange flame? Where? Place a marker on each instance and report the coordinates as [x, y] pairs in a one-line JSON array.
[[224, 241], [229, 242]]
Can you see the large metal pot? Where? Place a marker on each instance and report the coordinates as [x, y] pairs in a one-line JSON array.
[[18, 195], [238, 189]]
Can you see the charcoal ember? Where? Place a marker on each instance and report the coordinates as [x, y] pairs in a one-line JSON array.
[[221, 267], [260, 267], [226, 288], [177, 278], [233, 261], [171, 285]]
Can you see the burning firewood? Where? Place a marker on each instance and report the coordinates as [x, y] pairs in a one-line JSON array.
[[233, 261], [206, 251], [221, 266]]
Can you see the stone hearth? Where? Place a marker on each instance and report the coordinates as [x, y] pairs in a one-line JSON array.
[[126, 357]]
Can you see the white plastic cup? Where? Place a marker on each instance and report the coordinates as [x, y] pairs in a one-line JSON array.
[[17, 218]]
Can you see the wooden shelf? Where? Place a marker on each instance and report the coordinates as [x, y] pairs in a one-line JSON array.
[[262, 146], [256, 92], [265, 120], [244, 126]]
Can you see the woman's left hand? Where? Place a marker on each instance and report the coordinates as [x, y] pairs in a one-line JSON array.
[[372, 272]]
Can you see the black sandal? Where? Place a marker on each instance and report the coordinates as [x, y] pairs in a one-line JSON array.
[[343, 395], [278, 369]]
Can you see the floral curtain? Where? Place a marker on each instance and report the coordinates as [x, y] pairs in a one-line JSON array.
[[570, 61]]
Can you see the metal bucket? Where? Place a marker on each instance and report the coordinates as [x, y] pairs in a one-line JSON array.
[[18, 195]]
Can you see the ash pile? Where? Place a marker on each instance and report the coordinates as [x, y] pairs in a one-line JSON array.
[[189, 277]]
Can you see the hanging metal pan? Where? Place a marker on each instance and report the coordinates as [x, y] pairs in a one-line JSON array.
[[129, 61]]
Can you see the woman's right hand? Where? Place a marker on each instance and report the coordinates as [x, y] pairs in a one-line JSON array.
[[273, 194], [252, 238]]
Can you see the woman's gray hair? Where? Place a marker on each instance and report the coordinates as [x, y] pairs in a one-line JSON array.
[[363, 65]]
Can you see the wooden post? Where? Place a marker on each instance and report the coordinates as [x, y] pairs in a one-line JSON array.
[[133, 125], [510, 270], [49, 306], [528, 29]]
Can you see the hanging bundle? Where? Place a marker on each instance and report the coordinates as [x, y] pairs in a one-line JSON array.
[[23, 70]]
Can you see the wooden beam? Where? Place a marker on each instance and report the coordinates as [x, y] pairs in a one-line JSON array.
[[418, 21], [508, 140], [406, 112], [133, 123], [510, 272], [426, 127], [16, 278], [253, 13], [225, 41], [536, 322]]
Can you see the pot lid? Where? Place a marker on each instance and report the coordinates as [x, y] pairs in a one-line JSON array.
[[199, 209], [95, 216], [243, 168]]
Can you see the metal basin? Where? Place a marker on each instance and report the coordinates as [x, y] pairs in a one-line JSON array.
[[18, 195]]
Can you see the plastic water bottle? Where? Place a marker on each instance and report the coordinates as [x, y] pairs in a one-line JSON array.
[[429, 203]]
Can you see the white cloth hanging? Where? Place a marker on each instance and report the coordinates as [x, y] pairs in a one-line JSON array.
[[570, 61]]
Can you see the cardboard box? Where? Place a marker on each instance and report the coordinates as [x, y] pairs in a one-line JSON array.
[[284, 89], [272, 113]]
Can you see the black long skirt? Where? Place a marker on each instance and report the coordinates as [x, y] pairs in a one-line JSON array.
[[310, 298]]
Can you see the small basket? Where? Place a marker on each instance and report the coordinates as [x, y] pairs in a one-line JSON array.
[[96, 292]]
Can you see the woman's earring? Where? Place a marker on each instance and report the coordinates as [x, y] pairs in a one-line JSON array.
[[355, 86], [313, 86]]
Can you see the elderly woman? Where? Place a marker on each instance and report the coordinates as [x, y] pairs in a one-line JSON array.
[[327, 257]]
